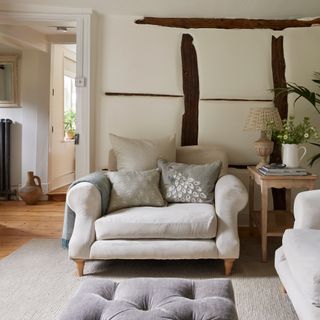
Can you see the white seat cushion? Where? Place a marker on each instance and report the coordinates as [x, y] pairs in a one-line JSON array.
[[177, 221], [302, 251]]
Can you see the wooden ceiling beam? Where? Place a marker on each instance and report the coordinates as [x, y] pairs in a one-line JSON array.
[[226, 23]]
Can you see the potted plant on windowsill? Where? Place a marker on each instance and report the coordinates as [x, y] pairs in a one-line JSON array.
[[69, 124], [310, 96]]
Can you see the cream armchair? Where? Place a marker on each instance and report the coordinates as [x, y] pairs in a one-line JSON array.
[[298, 260], [230, 198]]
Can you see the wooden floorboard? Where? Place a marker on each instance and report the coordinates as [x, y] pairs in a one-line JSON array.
[[59, 194], [20, 223], [61, 190]]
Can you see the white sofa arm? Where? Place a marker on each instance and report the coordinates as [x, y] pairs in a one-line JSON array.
[[231, 196], [85, 200], [307, 210]]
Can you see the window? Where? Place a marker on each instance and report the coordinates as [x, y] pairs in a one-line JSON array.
[[69, 107]]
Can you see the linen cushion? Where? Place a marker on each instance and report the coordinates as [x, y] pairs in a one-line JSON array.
[[302, 250], [202, 154], [177, 221], [134, 154], [152, 298], [159, 249], [135, 188], [188, 182]]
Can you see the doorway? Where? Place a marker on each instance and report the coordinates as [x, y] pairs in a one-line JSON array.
[[62, 160], [36, 159]]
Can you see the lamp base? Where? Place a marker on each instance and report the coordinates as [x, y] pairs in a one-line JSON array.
[[264, 148]]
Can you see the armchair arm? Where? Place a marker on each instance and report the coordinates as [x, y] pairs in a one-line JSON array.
[[85, 200], [307, 210], [231, 196]]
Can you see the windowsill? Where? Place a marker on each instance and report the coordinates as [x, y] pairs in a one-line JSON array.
[[68, 140]]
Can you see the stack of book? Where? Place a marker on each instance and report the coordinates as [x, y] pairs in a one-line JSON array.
[[269, 170]]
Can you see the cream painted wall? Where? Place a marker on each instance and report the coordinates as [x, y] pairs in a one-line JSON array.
[[35, 80], [30, 128], [234, 63], [146, 59], [302, 59]]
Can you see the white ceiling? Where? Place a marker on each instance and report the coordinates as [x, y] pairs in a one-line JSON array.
[[49, 28], [216, 8], [44, 27], [279, 9], [35, 35]]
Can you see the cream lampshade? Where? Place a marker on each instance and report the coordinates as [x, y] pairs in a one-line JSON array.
[[258, 119]]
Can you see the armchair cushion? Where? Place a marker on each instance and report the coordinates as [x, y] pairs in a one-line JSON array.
[[177, 221], [134, 154], [135, 188], [302, 251], [188, 182]]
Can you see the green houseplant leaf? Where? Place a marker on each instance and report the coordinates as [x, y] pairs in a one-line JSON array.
[[308, 95], [69, 120]]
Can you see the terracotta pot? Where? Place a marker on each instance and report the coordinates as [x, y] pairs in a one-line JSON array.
[[31, 192], [70, 134]]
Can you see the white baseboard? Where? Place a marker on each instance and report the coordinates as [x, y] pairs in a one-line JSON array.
[[61, 181]]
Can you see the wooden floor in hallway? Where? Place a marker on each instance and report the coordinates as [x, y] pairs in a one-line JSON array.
[[20, 223]]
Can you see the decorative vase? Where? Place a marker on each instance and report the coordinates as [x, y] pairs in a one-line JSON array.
[[290, 155], [31, 192]]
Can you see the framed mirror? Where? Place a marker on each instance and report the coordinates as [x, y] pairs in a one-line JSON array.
[[8, 81]]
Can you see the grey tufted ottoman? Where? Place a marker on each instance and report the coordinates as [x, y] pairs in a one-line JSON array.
[[152, 299]]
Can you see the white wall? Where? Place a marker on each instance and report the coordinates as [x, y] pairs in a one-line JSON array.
[[30, 127], [15, 114], [35, 84], [302, 59], [233, 64]]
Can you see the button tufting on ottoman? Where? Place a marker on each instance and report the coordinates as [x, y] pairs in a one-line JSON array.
[[152, 298]]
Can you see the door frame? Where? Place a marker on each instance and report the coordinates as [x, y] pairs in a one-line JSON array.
[[85, 95]]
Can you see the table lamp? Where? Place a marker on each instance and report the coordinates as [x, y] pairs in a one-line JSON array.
[[260, 119]]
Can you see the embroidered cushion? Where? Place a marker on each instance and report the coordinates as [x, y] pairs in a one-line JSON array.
[[188, 182], [135, 188]]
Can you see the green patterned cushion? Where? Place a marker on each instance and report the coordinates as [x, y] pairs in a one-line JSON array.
[[188, 182], [135, 188]]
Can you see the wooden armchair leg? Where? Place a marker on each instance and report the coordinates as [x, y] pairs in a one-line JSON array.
[[228, 263], [283, 289], [80, 267]]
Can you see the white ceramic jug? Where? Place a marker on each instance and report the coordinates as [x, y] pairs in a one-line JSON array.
[[290, 155]]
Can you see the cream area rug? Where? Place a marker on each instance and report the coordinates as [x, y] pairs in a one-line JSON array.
[[37, 280]]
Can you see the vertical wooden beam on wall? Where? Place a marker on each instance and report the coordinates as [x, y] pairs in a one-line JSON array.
[[281, 103], [189, 134], [279, 77]]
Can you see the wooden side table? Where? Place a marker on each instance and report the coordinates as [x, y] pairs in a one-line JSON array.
[[279, 220]]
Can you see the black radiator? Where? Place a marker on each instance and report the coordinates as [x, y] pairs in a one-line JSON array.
[[5, 145]]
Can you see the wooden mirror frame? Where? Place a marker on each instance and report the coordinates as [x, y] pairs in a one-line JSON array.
[[14, 99]]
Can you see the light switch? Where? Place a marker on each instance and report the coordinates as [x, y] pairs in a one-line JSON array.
[[80, 82]]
